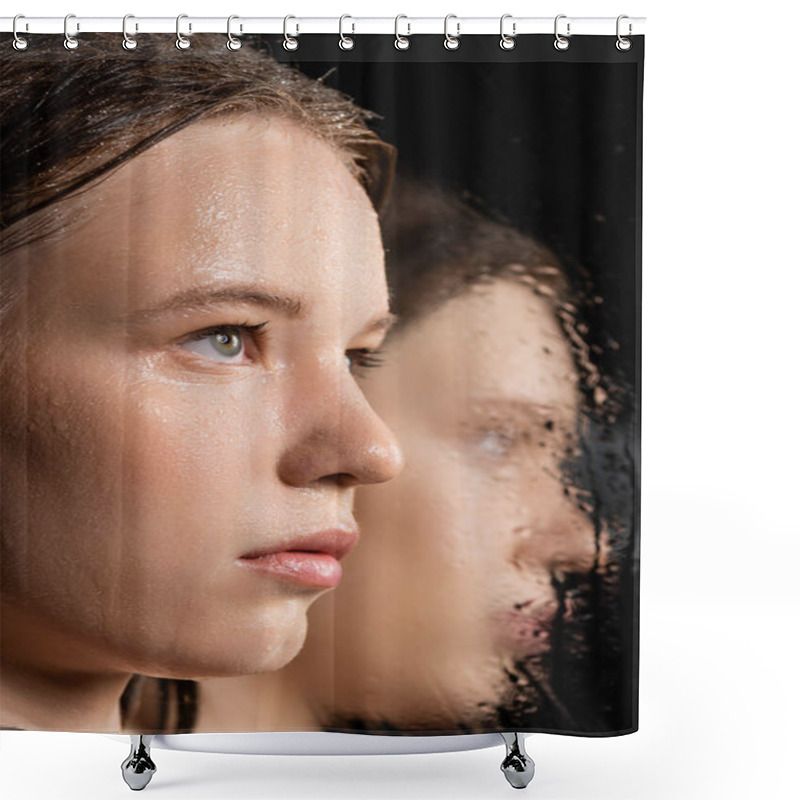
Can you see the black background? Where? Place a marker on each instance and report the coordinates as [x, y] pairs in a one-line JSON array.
[[550, 142]]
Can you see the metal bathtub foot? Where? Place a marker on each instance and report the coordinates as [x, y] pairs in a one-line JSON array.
[[138, 768], [518, 766]]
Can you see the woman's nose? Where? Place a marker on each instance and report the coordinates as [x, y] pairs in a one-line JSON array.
[[560, 537], [340, 440]]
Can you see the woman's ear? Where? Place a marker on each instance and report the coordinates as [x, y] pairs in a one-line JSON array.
[[380, 176]]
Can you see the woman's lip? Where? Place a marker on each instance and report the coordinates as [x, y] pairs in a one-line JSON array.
[[313, 569], [336, 542], [527, 634], [312, 559]]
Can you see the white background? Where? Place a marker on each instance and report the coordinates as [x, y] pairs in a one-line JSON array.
[[720, 534]]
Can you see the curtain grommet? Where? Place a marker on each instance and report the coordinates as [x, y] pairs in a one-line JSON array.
[[290, 43], [561, 42], [346, 42], [128, 41], [19, 43], [401, 42], [182, 42], [70, 42], [507, 42], [451, 42], [623, 44], [233, 43]]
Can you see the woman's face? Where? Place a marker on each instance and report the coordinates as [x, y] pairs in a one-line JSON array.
[[453, 579], [153, 436]]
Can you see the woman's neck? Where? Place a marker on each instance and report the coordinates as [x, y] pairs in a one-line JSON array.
[[50, 683], [60, 702], [294, 698], [269, 701]]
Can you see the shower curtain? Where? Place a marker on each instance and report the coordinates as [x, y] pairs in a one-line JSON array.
[[239, 335]]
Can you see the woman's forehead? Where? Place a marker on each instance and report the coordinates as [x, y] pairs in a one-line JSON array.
[[499, 315], [497, 340], [280, 213], [232, 174]]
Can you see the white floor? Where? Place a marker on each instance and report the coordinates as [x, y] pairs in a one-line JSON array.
[[718, 719], [720, 696]]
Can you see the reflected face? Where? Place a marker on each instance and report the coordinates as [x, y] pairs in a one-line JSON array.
[[181, 391], [453, 579]]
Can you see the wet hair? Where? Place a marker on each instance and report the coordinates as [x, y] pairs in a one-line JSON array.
[[70, 119], [439, 244]]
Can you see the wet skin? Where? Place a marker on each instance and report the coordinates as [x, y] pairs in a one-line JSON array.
[[181, 380]]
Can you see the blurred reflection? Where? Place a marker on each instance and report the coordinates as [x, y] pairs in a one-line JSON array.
[[470, 586]]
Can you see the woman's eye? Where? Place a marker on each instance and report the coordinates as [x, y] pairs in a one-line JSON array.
[[363, 358], [224, 344], [495, 442], [502, 441]]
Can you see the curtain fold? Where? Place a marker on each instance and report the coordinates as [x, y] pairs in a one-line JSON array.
[[321, 385]]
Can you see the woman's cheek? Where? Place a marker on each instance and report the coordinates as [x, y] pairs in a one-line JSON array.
[[186, 446]]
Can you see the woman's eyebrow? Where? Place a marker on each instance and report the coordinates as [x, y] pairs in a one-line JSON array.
[[521, 409], [199, 299], [381, 323]]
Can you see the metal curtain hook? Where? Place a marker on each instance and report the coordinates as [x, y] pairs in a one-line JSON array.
[[623, 44], [289, 42], [451, 42], [346, 42], [401, 42], [507, 42], [70, 42], [233, 43], [182, 43], [19, 42], [128, 42], [561, 42]]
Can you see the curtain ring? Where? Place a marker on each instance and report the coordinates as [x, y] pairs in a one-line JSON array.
[[561, 42], [507, 42], [401, 42], [19, 42], [289, 42], [623, 44], [233, 43], [346, 42], [128, 42], [70, 42], [451, 42], [182, 43]]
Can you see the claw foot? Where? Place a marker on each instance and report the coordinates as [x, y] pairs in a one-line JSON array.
[[138, 768], [517, 766]]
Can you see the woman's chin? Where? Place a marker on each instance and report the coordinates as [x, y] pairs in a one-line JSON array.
[[253, 649]]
